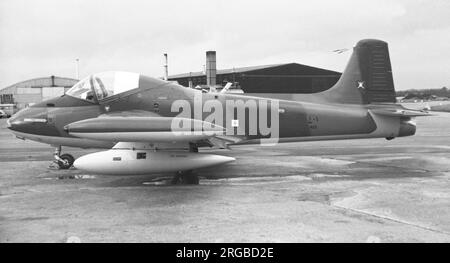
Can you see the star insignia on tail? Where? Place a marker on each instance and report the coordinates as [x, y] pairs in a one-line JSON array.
[[361, 85]]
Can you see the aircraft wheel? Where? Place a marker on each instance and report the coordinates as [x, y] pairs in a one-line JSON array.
[[185, 177], [176, 179], [190, 178], [68, 161]]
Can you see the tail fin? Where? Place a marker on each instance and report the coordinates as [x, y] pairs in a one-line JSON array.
[[367, 78]]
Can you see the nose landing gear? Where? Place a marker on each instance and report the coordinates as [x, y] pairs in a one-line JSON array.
[[64, 161]]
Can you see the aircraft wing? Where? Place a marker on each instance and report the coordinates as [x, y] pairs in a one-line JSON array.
[[221, 142], [144, 129], [148, 143]]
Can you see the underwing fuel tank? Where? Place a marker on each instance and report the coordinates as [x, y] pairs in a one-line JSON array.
[[135, 162]]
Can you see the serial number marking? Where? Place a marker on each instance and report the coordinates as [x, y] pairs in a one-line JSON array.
[[313, 122]]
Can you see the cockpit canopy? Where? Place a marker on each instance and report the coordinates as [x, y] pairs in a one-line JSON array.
[[102, 85]]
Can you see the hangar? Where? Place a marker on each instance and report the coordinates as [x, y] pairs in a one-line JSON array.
[[288, 78], [32, 91], [291, 78]]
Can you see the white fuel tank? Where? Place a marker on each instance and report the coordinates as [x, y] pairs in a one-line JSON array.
[[135, 162]]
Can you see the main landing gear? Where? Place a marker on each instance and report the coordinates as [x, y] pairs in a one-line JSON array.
[[185, 177], [64, 161]]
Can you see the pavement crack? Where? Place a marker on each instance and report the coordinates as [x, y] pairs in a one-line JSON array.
[[392, 220]]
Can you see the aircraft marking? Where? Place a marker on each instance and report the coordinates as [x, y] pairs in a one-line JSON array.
[[361, 85]]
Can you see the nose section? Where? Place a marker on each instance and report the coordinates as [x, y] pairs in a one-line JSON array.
[[8, 123], [29, 120], [13, 119], [14, 122]]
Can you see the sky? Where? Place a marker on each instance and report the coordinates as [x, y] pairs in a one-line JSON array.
[[44, 37]]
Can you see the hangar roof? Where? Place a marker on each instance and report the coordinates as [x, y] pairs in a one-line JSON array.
[[226, 71], [244, 69], [44, 82]]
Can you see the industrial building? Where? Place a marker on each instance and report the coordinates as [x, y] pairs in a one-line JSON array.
[[290, 78], [29, 92]]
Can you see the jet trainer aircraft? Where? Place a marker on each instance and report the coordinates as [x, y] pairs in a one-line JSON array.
[[154, 126]]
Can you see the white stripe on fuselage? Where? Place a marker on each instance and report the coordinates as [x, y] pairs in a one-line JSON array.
[[35, 120]]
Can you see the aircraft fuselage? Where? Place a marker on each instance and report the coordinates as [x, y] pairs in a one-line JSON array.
[[248, 117]]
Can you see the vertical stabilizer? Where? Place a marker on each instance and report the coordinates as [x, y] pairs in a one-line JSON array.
[[367, 78]]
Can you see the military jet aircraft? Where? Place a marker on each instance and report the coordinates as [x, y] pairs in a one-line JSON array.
[[152, 126]]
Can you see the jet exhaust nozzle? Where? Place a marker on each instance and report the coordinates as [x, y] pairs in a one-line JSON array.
[[407, 128]]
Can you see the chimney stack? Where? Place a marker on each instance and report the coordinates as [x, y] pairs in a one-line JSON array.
[[211, 68], [166, 67], [77, 72]]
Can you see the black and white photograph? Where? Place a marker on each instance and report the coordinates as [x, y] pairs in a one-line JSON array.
[[224, 122]]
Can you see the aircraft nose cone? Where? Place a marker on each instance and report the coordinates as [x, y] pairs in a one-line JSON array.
[[8, 123], [14, 122], [31, 120]]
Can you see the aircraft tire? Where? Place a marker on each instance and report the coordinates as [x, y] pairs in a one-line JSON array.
[[185, 178], [176, 179], [190, 178], [67, 157]]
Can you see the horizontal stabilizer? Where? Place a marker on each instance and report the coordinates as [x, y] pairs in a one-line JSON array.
[[400, 112]]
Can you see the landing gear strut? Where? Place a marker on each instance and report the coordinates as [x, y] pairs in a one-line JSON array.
[[185, 177], [64, 161]]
